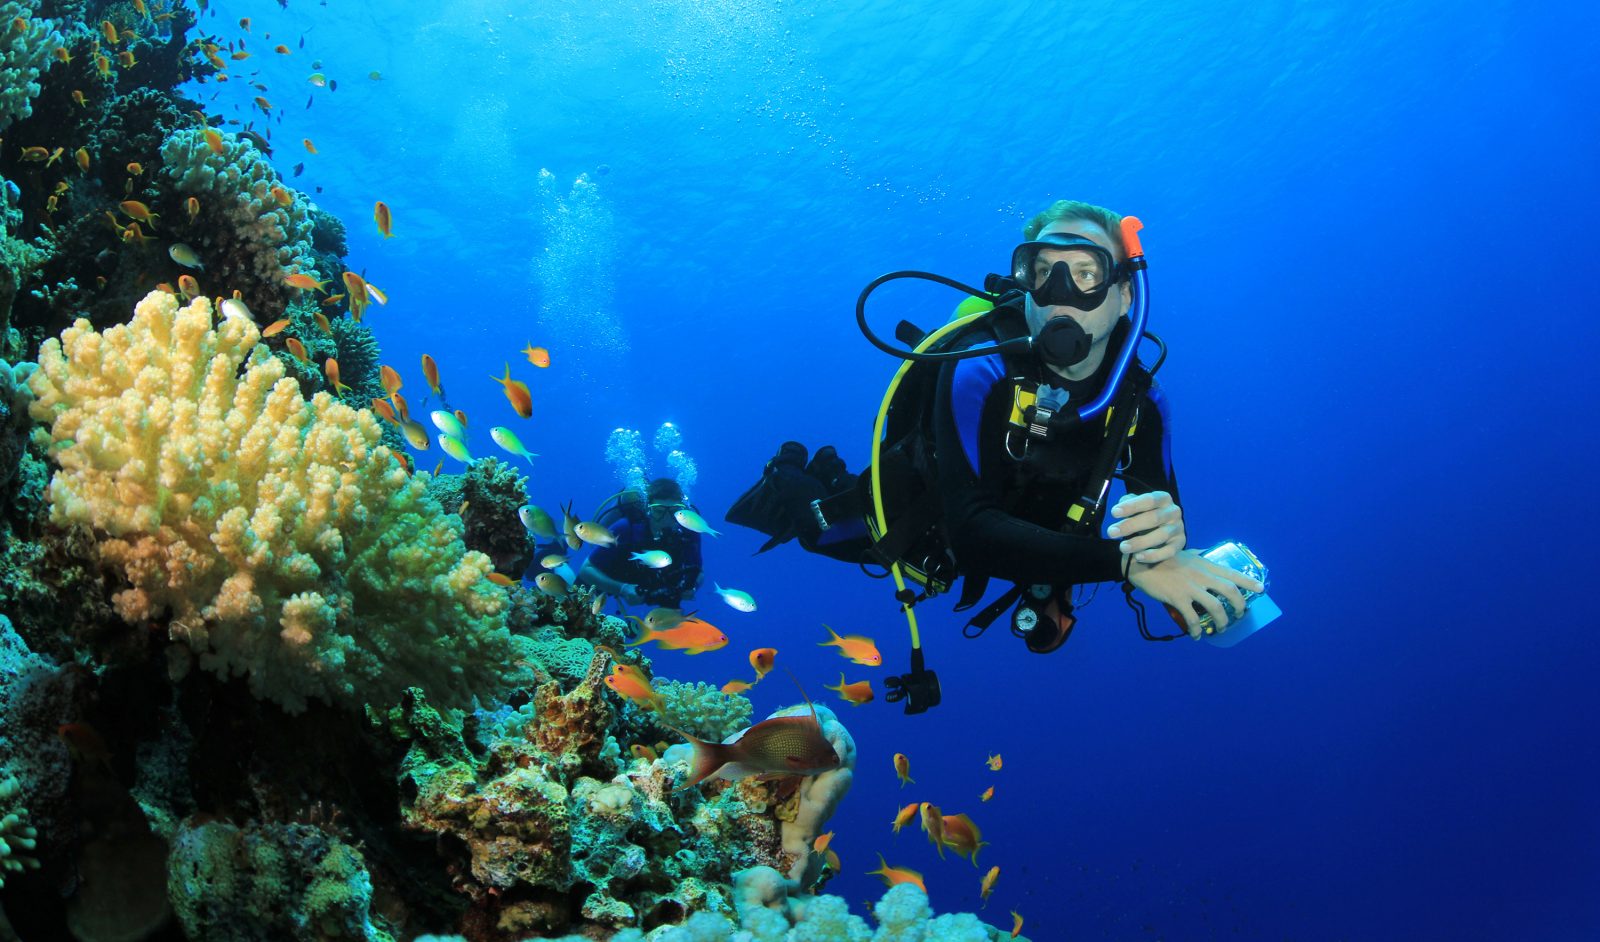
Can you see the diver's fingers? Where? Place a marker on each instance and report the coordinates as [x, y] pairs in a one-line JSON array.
[[1235, 577], [1128, 506], [1212, 603], [1156, 536]]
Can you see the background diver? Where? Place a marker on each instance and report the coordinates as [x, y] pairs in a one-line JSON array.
[[644, 524], [984, 470]]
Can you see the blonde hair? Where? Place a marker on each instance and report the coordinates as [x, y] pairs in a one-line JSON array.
[[1074, 209]]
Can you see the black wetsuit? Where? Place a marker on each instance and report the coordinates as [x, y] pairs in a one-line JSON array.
[[665, 586], [1007, 525]]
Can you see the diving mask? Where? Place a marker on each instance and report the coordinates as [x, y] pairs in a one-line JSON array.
[[1064, 270]]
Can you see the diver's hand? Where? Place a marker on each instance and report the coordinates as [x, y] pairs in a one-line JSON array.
[[1189, 579], [1150, 526]]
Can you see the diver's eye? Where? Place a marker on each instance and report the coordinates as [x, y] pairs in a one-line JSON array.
[[1087, 278]]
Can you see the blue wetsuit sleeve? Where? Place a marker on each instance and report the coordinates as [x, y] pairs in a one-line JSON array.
[[986, 540]]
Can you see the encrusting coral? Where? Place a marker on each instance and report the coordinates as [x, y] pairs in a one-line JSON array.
[[277, 536]]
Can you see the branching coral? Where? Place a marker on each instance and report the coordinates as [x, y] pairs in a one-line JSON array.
[[24, 55], [17, 839], [249, 239], [283, 541]]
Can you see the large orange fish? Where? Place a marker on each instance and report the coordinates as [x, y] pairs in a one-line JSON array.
[[762, 660], [517, 392], [390, 379], [962, 836], [691, 635], [896, 875], [782, 745], [857, 648]]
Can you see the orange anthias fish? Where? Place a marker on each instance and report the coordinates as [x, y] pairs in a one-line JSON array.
[[1016, 923], [631, 683], [275, 328], [303, 281], [383, 409], [643, 752], [462, 418], [857, 648], [782, 745], [390, 379], [734, 687], [498, 578], [430, 372], [902, 768], [904, 815], [310, 147], [896, 875], [993, 762], [538, 356], [987, 885], [821, 843], [762, 660], [856, 694], [933, 824], [517, 393], [380, 215], [213, 141], [189, 286], [282, 196], [331, 368], [192, 207], [356, 287], [963, 837], [139, 211], [988, 793], [400, 405], [297, 350], [691, 635]]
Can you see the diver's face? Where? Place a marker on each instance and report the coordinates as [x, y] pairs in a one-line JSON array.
[[1098, 322], [661, 516]]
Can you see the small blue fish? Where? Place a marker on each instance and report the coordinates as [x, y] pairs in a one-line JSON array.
[[655, 559], [508, 440], [447, 423], [454, 447], [690, 520], [740, 601]]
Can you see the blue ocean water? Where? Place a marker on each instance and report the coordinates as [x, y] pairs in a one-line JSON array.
[[1369, 230]]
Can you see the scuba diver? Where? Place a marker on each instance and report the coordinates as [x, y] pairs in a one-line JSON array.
[[655, 560], [996, 446]]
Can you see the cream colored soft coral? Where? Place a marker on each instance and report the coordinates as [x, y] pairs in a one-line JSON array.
[[277, 537]]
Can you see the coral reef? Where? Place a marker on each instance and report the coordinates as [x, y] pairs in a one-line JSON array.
[[24, 55], [250, 227], [270, 882], [488, 495], [17, 838], [279, 539]]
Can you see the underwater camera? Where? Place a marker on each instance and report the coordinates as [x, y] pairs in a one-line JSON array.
[[1260, 610]]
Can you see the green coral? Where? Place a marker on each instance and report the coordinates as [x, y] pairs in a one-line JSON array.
[[492, 492], [17, 838], [24, 56], [270, 882], [703, 710]]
